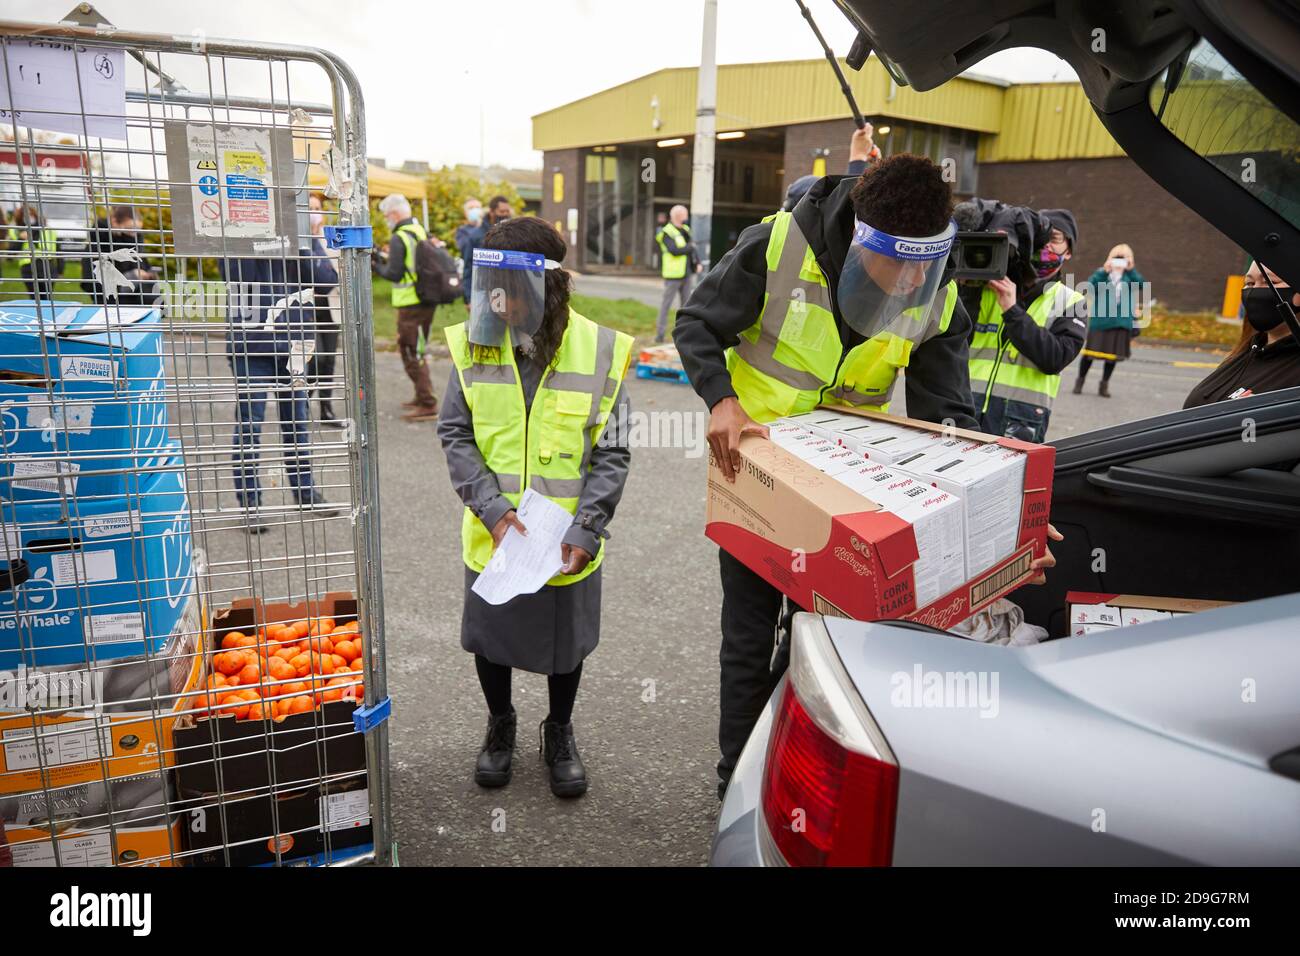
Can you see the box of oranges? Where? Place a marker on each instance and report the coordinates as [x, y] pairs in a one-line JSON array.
[[267, 755]]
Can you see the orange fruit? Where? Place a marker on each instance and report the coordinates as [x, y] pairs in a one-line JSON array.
[[216, 680], [349, 628], [259, 711], [280, 669], [250, 674], [287, 653], [300, 705], [301, 664], [357, 665], [232, 640], [348, 650], [247, 640], [231, 662], [320, 645], [294, 687], [299, 630], [322, 664], [340, 662], [322, 625]]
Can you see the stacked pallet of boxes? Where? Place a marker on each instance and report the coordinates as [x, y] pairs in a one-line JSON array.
[[100, 619], [859, 514]]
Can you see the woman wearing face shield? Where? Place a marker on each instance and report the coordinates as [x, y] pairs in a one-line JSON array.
[[1267, 357], [536, 401]]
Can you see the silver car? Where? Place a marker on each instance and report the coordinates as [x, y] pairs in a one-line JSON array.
[[1172, 742]]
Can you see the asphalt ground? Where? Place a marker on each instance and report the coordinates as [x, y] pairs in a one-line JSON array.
[[646, 714]]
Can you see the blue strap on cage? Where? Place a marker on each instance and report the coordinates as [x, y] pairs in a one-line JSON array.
[[349, 237], [366, 719]]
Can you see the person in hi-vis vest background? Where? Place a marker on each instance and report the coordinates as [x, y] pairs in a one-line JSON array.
[[678, 264], [537, 401]]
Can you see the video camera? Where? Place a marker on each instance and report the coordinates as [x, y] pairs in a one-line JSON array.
[[994, 240]]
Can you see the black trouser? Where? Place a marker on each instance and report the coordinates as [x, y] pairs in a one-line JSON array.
[[321, 371], [561, 689], [751, 614], [1085, 363]]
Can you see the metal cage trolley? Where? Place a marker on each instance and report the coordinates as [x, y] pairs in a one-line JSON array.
[[192, 664]]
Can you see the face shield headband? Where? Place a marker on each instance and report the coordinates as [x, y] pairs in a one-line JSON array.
[[886, 275], [508, 292]]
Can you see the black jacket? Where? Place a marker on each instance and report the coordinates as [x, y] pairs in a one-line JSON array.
[[103, 241], [1051, 349], [730, 296], [1261, 368], [393, 268]]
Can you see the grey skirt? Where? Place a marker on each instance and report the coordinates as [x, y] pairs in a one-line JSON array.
[[549, 632], [1105, 343]]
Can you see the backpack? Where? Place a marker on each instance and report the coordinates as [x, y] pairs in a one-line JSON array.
[[436, 281]]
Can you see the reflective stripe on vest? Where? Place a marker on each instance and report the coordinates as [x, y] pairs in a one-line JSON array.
[[1014, 376], [671, 266], [548, 447], [785, 363], [404, 293]]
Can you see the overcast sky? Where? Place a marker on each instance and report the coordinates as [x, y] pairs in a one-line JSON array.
[[427, 67]]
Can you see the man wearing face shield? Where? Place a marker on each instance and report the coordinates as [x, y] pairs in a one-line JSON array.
[[824, 304], [1026, 333]]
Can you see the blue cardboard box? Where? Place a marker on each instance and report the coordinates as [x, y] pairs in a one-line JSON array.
[[82, 398], [98, 579]]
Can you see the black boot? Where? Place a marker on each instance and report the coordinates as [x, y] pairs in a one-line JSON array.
[[1104, 390], [560, 751], [327, 416], [493, 769], [1078, 385]]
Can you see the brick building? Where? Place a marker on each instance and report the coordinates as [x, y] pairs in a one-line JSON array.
[[615, 161]]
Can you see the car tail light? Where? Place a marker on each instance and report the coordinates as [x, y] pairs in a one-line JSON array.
[[830, 791]]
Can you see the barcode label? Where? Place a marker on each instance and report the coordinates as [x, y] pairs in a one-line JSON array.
[[985, 588], [44, 475], [115, 628]]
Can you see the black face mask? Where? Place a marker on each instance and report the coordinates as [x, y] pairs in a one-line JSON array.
[[1263, 310]]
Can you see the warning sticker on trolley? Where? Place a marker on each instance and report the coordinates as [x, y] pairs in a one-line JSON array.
[[83, 567], [45, 475], [115, 628], [345, 811], [74, 742]]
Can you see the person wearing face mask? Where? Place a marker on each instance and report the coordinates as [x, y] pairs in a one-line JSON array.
[[1116, 290], [536, 401], [117, 239], [468, 235], [1267, 357], [1026, 333]]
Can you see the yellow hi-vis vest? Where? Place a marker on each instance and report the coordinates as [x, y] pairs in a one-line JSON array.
[[792, 359], [404, 293], [997, 369], [671, 266], [47, 243], [548, 447]]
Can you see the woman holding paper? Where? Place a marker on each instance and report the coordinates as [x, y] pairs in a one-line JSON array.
[[536, 403]]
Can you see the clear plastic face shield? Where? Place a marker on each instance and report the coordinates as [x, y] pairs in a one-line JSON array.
[[886, 275], [508, 292]]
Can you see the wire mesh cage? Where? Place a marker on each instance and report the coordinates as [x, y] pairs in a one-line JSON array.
[[191, 627]]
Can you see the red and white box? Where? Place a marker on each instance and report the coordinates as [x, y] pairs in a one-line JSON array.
[[1092, 611], [837, 551]]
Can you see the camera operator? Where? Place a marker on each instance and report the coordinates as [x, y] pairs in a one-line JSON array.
[[1029, 326]]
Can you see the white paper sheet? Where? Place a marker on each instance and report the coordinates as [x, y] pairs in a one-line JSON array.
[[61, 86], [521, 564]]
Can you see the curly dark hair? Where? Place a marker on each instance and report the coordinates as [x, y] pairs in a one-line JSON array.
[[903, 195], [530, 234]]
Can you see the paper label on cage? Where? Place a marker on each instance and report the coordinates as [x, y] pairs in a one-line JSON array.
[[43, 475], [115, 628], [72, 742], [64, 87], [83, 567], [231, 171], [52, 422], [84, 849], [344, 811], [110, 525], [81, 368]]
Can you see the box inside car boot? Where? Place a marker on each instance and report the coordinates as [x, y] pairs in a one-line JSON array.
[[1092, 611], [804, 516]]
